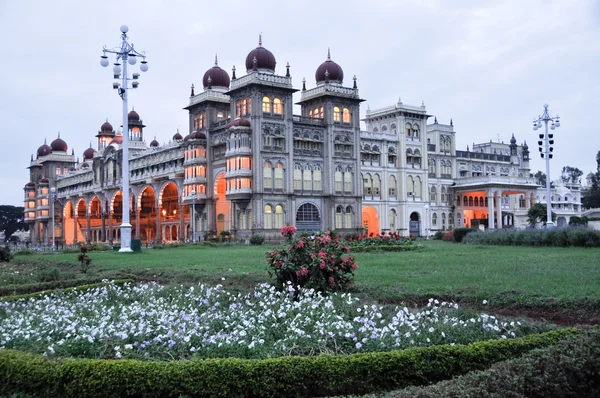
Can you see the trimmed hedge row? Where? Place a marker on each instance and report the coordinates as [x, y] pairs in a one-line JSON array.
[[287, 376], [569, 369], [560, 237], [69, 289], [391, 248], [41, 286]]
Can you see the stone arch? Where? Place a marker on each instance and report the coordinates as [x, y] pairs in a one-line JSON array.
[[370, 220], [146, 206], [222, 205], [414, 226], [308, 217]]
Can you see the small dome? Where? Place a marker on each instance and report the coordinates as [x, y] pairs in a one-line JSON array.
[[88, 153], [72, 168], [177, 137], [133, 116], [107, 127], [525, 146], [195, 135], [59, 145], [44, 150], [562, 190], [218, 77], [238, 123], [44, 181], [154, 143], [30, 185], [513, 140], [264, 58], [85, 165], [329, 70]]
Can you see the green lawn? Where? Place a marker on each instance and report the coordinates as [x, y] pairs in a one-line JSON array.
[[501, 274]]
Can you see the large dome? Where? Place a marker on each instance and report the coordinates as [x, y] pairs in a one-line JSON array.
[[133, 116], [59, 145], [44, 150], [329, 71], [264, 58], [107, 127], [88, 153], [218, 77]]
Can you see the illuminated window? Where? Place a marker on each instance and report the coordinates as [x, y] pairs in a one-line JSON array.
[[348, 181], [348, 217], [317, 184], [220, 115], [266, 105], [338, 180], [278, 216], [199, 121], [337, 115], [268, 217], [279, 176], [307, 178], [346, 115], [268, 175], [277, 106], [297, 177], [338, 217]]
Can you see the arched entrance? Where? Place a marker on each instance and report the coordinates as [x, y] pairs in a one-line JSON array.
[[147, 208], [95, 219], [68, 224], [561, 222], [370, 220], [81, 221], [308, 218], [117, 214], [414, 227], [223, 207], [169, 205]]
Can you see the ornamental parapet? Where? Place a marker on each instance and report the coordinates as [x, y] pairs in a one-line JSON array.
[[329, 89], [262, 78]]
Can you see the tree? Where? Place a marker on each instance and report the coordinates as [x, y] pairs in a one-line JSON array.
[[11, 220], [540, 178], [571, 174], [591, 198], [537, 213]]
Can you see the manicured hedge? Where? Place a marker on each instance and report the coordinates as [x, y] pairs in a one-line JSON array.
[[460, 233], [561, 237], [287, 376], [68, 289], [569, 369], [392, 248], [41, 286]]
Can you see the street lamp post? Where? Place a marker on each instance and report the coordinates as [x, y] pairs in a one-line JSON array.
[[546, 152], [192, 196], [127, 54], [52, 195]]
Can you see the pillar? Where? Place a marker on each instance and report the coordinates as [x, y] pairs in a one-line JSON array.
[[182, 231], [498, 196], [75, 225], [490, 195], [88, 227], [158, 231], [103, 222]]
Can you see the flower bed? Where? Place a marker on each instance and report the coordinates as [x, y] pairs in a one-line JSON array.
[[149, 321], [391, 241]]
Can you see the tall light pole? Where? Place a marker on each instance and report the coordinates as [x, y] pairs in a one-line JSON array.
[[52, 195], [193, 197], [127, 54], [546, 152]]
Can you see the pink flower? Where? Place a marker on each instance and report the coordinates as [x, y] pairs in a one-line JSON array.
[[325, 239], [299, 245], [322, 265], [322, 253], [304, 271]]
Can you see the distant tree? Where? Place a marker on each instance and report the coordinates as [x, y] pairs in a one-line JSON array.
[[11, 220], [591, 198], [540, 178], [570, 175], [537, 213]]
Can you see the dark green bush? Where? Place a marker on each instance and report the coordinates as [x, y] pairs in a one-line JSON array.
[[49, 285], [276, 377], [79, 286], [391, 248], [569, 369], [256, 239], [560, 237], [438, 235], [460, 233], [24, 252], [5, 254]]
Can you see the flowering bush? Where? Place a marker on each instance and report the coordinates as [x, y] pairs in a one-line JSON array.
[[448, 236], [288, 232], [384, 239], [319, 262], [150, 321]]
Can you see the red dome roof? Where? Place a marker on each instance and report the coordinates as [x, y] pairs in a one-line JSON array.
[[329, 70], [44, 150], [107, 127], [59, 145], [134, 116], [44, 181], [88, 153], [264, 58], [238, 123], [218, 77], [195, 135], [85, 165], [177, 137], [30, 185], [154, 143]]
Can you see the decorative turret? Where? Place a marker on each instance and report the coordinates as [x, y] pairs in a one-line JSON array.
[[135, 126], [329, 72], [105, 135]]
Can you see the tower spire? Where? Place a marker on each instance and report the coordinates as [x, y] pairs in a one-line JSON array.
[[260, 39], [216, 62], [328, 54]]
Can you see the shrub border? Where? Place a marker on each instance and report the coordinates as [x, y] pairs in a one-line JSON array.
[[386, 248], [66, 290], [276, 377]]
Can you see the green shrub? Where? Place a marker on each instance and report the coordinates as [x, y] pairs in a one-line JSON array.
[[5, 254], [45, 286], [392, 248], [559, 237], [460, 233], [438, 235], [569, 369], [24, 252], [276, 377], [257, 239], [79, 286], [448, 236]]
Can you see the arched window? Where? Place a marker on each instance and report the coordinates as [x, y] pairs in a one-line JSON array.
[[432, 168], [347, 115], [268, 175], [277, 106], [367, 185], [268, 217], [432, 194], [392, 186], [348, 181], [266, 105], [418, 187], [339, 217], [415, 131], [376, 185], [337, 115], [317, 178], [392, 220], [444, 221], [384, 129], [297, 177], [434, 219], [278, 216], [338, 179], [279, 176], [410, 186], [408, 130], [450, 220], [220, 115], [443, 195], [307, 178], [476, 201], [308, 218], [240, 220], [471, 201], [348, 217]]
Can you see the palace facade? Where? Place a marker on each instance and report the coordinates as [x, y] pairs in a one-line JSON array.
[[250, 165]]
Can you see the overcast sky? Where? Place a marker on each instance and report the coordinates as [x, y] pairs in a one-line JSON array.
[[488, 65]]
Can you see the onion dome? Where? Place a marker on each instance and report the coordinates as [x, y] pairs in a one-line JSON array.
[[30, 185], [177, 136], [59, 145], [133, 116], [195, 135], [85, 165], [238, 123], [107, 127], [264, 58], [513, 140], [215, 77], [88, 153], [44, 181], [154, 143], [72, 168], [44, 150], [329, 71]]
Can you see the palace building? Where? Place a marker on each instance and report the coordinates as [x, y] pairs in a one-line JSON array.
[[250, 165]]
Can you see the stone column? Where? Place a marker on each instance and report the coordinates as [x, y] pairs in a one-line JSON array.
[[75, 225], [137, 223], [182, 230], [158, 237], [499, 208], [110, 226], [103, 223], [490, 195], [88, 227]]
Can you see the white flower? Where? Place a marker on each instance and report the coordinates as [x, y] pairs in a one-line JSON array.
[[358, 346], [484, 302], [128, 346]]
